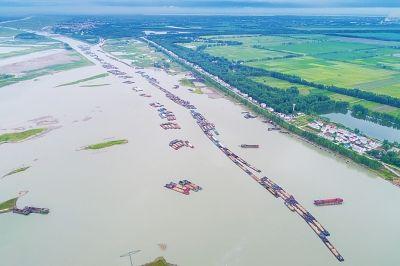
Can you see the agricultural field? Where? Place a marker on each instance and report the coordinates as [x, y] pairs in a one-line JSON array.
[[390, 36], [283, 84], [306, 90], [237, 53], [330, 60]]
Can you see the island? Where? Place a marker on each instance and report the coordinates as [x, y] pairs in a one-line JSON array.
[[106, 144]]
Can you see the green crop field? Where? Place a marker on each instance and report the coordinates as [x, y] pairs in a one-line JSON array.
[[283, 84], [237, 53], [335, 73], [312, 47], [329, 60], [305, 90], [390, 36]]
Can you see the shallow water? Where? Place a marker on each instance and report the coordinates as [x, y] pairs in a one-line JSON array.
[[367, 127], [108, 202]]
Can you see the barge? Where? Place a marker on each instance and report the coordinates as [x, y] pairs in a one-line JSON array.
[[327, 202], [28, 210], [255, 146]]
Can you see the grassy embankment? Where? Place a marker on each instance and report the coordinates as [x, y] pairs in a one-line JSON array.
[[20, 136], [16, 171], [8, 205], [189, 83], [84, 80], [106, 144]]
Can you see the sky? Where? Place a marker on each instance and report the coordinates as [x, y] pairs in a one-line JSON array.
[[227, 7]]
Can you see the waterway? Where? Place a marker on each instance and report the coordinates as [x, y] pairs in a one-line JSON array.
[[107, 202], [367, 127]]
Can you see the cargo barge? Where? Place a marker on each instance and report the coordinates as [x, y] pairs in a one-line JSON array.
[[28, 210], [170, 125], [178, 188], [327, 202], [176, 144], [255, 146]]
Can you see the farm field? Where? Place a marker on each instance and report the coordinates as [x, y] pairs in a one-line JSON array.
[[341, 74], [283, 84], [330, 60], [237, 53], [390, 36], [306, 90]]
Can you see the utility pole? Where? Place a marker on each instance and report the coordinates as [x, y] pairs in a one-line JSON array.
[[130, 253]]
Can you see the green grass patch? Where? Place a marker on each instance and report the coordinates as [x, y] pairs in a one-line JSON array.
[[283, 84], [106, 144], [20, 136], [158, 262], [84, 80], [187, 83], [240, 53], [16, 171], [197, 91], [8, 205]]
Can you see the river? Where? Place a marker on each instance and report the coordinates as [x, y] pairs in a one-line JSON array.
[[108, 202], [367, 127]]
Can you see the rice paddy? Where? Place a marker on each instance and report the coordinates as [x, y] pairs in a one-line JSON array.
[[328, 60]]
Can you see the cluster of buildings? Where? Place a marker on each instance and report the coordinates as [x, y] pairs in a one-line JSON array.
[[358, 143]]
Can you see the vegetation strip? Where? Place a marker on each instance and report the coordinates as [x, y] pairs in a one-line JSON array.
[[106, 144], [84, 80], [8, 205], [16, 171], [20, 136]]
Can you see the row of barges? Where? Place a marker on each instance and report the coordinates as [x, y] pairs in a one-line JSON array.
[[208, 129], [277, 191]]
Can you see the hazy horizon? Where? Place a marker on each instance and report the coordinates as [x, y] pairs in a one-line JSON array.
[[203, 7]]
